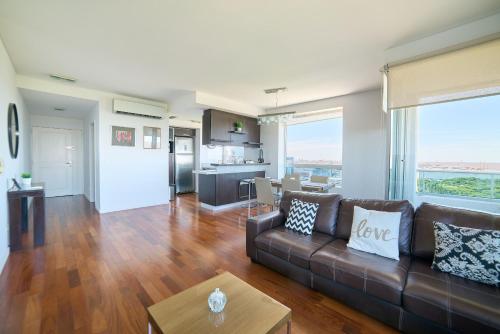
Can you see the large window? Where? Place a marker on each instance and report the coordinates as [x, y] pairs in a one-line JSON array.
[[315, 148], [448, 153]]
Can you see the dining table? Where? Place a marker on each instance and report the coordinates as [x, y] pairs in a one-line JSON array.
[[308, 186]]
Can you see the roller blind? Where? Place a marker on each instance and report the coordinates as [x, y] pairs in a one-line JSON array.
[[464, 73]]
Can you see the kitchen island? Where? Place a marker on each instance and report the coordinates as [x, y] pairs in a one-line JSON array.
[[219, 187]]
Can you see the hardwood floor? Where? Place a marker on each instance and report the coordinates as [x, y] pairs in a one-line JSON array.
[[97, 273]]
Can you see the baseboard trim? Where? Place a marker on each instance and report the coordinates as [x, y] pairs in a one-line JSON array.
[[217, 208]]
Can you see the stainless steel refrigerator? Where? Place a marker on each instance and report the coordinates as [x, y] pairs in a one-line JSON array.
[[184, 164]]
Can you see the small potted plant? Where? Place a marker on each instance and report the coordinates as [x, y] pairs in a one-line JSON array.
[[238, 126], [26, 179]]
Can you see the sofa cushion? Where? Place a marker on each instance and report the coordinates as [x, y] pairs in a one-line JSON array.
[[375, 232], [291, 246], [346, 211], [326, 217], [458, 303], [427, 214], [302, 217], [375, 275], [467, 252]]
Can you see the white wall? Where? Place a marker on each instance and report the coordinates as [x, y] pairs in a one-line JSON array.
[[272, 136], [91, 124], [87, 192], [127, 177], [184, 108], [206, 101], [131, 177], [12, 167], [56, 122], [364, 152], [474, 32]]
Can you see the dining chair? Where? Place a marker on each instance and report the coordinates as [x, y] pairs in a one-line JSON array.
[[319, 179], [290, 184], [265, 195]]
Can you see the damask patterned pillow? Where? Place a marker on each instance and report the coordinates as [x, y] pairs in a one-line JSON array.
[[467, 252]]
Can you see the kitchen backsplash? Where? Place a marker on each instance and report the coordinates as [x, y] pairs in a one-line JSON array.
[[227, 154], [251, 153], [233, 154]]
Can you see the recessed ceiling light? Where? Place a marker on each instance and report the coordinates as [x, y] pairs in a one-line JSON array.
[[62, 77], [59, 109]]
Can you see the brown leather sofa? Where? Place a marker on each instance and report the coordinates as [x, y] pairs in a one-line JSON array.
[[405, 294]]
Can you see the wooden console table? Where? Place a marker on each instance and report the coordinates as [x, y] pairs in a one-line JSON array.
[[18, 215]]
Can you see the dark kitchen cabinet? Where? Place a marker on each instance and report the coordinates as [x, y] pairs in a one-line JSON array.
[[216, 126], [253, 131], [222, 189], [218, 129]]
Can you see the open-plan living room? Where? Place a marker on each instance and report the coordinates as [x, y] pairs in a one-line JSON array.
[[283, 166]]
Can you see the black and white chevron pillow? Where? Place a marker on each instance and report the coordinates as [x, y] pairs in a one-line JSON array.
[[302, 216]]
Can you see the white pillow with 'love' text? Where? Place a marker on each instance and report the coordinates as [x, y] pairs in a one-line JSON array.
[[375, 232]]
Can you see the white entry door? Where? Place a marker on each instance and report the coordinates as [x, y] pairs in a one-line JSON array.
[[54, 152]]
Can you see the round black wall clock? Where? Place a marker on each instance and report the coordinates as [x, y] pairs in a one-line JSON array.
[[13, 130]]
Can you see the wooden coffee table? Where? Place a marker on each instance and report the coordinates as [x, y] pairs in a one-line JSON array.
[[248, 310]]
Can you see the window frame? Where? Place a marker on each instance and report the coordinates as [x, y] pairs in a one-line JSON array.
[[403, 180], [335, 113]]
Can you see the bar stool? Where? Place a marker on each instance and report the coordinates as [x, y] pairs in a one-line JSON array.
[[250, 183]]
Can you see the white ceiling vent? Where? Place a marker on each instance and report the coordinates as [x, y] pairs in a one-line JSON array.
[[138, 109]]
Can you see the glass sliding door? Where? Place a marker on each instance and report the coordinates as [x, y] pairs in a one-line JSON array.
[[403, 154], [447, 153]]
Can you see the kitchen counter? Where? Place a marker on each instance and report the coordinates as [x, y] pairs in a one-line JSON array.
[[219, 186], [244, 164], [232, 168], [222, 189]]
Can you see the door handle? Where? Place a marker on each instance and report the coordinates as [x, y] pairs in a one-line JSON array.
[[69, 164]]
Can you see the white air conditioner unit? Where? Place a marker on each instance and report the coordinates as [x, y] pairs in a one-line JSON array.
[[138, 109]]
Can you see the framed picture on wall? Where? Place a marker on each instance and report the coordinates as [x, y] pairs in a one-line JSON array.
[[122, 136], [152, 138]]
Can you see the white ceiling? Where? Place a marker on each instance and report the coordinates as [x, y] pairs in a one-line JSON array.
[[41, 103], [235, 49]]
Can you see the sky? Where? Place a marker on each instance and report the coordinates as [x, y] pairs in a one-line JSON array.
[[460, 131], [321, 140]]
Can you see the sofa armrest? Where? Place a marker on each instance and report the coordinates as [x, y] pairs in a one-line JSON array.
[[257, 225]]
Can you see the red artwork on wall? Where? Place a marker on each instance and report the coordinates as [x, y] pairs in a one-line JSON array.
[[122, 136]]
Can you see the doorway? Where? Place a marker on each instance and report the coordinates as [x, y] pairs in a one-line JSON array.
[[57, 158]]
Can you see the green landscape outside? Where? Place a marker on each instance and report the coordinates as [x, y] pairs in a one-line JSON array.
[[485, 188]]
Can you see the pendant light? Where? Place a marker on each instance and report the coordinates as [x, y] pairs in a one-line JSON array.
[[276, 117]]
